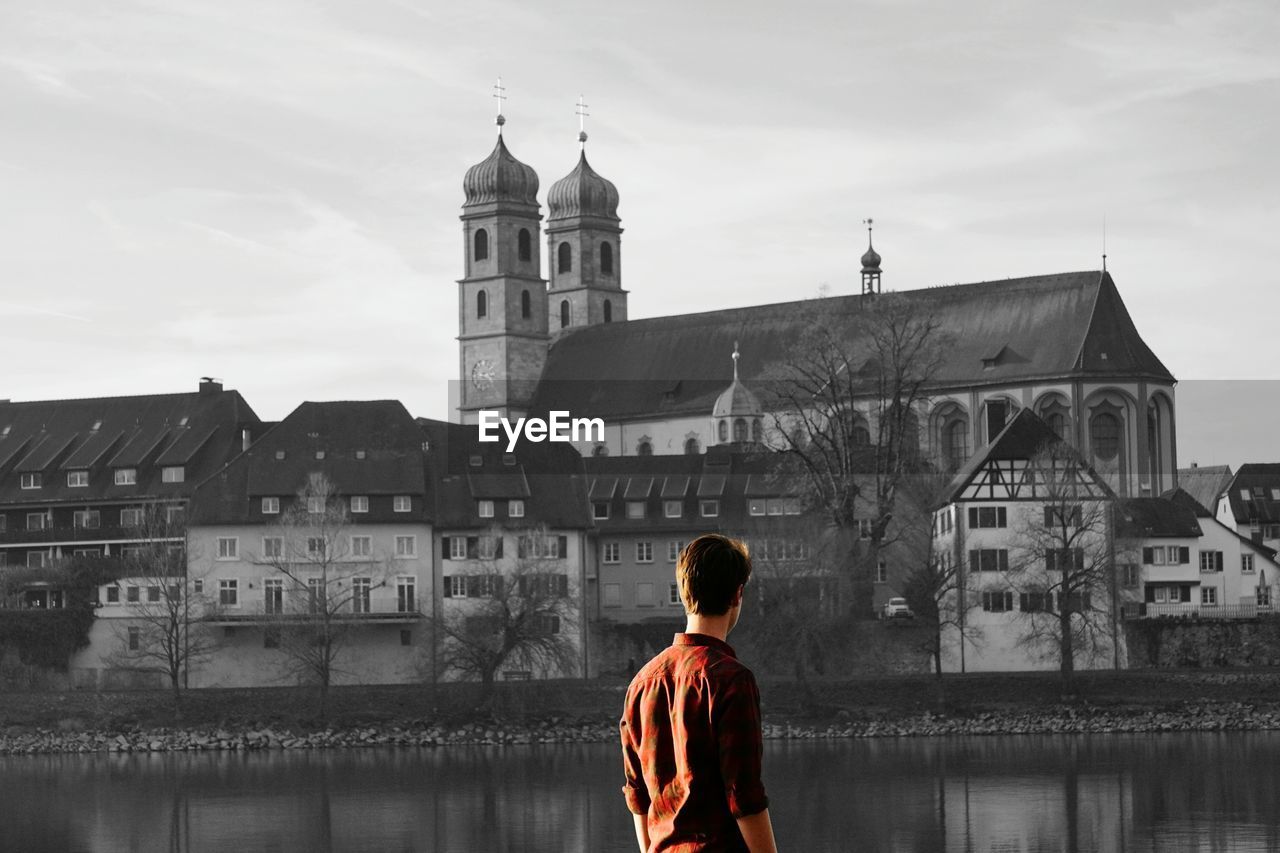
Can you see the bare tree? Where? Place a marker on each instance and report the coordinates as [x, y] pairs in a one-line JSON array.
[[846, 405], [321, 585], [1063, 564], [164, 630], [517, 613]]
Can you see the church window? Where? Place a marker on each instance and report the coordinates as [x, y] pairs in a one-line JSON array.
[[564, 313], [691, 447], [524, 243], [740, 430], [955, 442], [861, 436], [1104, 435], [724, 431], [482, 304], [606, 259], [997, 417], [564, 258], [482, 245], [645, 448], [526, 309], [608, 311]]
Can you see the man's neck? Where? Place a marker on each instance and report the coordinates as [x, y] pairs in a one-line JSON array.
[[711, 626]]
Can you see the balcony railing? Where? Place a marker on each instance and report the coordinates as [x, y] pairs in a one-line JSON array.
[[380, 612], [1189, 610]]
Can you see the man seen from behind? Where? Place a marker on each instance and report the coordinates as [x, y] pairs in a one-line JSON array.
[[691, 739]]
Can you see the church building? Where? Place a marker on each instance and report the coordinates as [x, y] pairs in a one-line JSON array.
[[1061, 345]]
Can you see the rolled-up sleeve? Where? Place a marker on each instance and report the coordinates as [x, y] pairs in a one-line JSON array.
[[737, 720], [633, 789]]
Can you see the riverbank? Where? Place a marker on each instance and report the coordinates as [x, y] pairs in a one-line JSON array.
[[425, 716]]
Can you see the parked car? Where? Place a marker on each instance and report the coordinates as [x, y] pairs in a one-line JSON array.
[[896, 608]]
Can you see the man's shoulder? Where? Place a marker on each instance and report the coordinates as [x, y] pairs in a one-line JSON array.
[[682, 662]]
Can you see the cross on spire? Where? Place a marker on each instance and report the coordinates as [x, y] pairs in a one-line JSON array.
[[582, 114], [868, 222], [736, 356], [500, 92]]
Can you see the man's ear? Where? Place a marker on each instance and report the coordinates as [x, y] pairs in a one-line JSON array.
[[737, 596]]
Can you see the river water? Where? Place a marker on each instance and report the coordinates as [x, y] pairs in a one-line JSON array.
[[1169, 793]]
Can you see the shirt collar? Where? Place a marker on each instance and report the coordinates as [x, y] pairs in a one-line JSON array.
[[704, 640]]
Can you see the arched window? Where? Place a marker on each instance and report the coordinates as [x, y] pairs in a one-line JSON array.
[[606, 259], [524, 244], [644, 448], [740, 430], [1104, 436], [724, 431], [564, 258], [691, 447], [526, 309], [955, 441], [608, 311], [757, 431], [482, 304], [564, 313], [860, 435], [482, 245]]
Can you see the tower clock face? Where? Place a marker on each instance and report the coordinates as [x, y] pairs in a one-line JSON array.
[[482, 374]]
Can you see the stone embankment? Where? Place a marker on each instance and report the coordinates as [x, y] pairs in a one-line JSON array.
[[66, 738]]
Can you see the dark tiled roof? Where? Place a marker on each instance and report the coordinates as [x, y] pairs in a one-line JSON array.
[[1155, 518], [549, 477], [1023, 437], [1259, 478], [103, 433], [1073, 324], [371, 448]]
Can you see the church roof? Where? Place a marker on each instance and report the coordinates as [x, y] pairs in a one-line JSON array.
[[500, 177], [1070, 324]]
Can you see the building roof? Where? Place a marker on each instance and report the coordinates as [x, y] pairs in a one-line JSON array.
[[1262, 481], [371, 448], [1156, 518], [582, 192], [1071, 324], [1205, 484], [500, 178], [199, 430], [548, 477]]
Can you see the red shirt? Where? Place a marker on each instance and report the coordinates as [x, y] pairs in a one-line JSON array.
[[691, 746]]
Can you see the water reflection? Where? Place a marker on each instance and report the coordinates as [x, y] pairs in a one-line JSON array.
[[1176, 793]]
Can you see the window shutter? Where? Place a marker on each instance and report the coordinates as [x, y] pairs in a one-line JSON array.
[[448, 581], [498, 586], [1002, 557], [1149, 594], [562, 584], [522, 551], [974, 564], [497, 548], [562, 542], [473, 547], [1002, 519], [1184, 554], [445, 548], [522, 587], [1048, 516], [1051, 560], [1186, 593], [1147, 558], [973, 516]]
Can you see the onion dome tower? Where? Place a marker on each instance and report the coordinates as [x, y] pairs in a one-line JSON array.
[[738, 417], [583, 246], [870, 265], [502, 297]]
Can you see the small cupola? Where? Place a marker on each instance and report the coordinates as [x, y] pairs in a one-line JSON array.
[[870, 265], [738, 416]]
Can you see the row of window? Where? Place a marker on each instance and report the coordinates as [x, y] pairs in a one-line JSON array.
[[122, 477], [356, 504], [1208, 595], [493, 585], [707, 508], [1002, 601], [645, 595], [91, 519], [270, 637], [316, 548], [315, 596], [524, 251], [528, 546]]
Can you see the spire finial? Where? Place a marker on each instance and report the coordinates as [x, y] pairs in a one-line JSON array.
[[500, 92], [736, 356], [868, 222], [582, 123], [1104, 242]]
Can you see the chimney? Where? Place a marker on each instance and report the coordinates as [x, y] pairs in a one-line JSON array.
[[209, 385]]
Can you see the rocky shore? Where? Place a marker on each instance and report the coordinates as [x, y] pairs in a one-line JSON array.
[[69, 738]]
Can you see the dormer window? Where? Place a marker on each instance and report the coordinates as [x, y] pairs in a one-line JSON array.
[[173, 474], [319, 454], [77, 479], [126, 476], [515, 509], [475, 461], [279, 454], [485, 509], [508, 459], [360, 454], [32, 480], [97, 425], [315, 504]]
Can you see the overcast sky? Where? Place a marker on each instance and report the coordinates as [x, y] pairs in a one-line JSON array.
[[268, 193]]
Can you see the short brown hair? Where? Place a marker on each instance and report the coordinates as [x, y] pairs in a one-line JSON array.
[[709, 572]]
